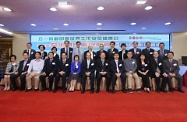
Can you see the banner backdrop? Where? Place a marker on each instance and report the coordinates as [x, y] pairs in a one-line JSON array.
[[58, 41]]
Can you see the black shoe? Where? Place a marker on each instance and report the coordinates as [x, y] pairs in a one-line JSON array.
[[27, 90], [170, 90], [43, 89], [63, 91], [82, 92], [180, 90], [91, 91], [164, 91], [113, 91], [21, 89], [108, 90], [124, 91], [36, 90], [54, 91], [49, 90], [14, 89], [158, 90], [97, 91]]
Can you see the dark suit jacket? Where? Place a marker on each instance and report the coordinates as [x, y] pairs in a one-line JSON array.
[[137, 55], [143, 68], [84, 66], [113, 68], [70, 53], [50, 67], [56, 56], [94, 55], [64, 67], [32, 54], [154, 65], [166, 66], [165, 54], [99, 52], [103, 68], [149, 54], [43, 55], [20, 69], [111, 54], [124, 55]]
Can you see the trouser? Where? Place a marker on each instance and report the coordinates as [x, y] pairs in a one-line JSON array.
[[23, 81], [43, 80], [99, 77], [13, 80], [168, 80], [35, 79], [145, 80], [84, 78], [57, 79], [137, 80], [123, 80], [157, 80]]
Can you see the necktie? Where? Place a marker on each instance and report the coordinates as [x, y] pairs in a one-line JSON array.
[[64, 61], [161, 53], [51, 61], [148, 49], [78, 51], [117, 67], [102, 62], [88, 63], [24, 65], [134, 51], [28, 52], [67, 53], [122, 55], [171, 66]]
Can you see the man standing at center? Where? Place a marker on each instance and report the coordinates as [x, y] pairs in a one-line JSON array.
[[68, 50]]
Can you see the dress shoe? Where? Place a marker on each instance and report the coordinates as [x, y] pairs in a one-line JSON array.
[[63, 91], [113, 91], [164, 91], [21, 89], [158, 90], [130, 91], [49, 90], [180, 90], [82, 92], [27, 90], [97, 91], [54, 91], [170, 90], [108, 90], [14, 89], [36, 90], [92, 91], [124, 91], [43, 90]]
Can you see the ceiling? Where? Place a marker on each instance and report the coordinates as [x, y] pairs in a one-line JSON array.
[[82, 15]]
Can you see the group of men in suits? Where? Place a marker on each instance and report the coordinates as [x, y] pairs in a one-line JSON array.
[[110, 64]]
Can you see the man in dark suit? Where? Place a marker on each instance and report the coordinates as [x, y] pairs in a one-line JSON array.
[[136, 51], [148, 51], [22, 70], [68, 50], [171, 70], [87, 69], [123, 52], [117, 71], [156, 69], [162, 52], [30, 51], [63, 71], [49, 70], [101, 46], [93, 54], [103, 70], [111, 51]]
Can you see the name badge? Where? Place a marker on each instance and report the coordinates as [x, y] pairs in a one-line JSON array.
[[120, 65], [166, 54], [94, 55], [70, 51], [151, 52], [145, 64], [31, 52], [106, 64], [77, 66], [113, 52], [67, 65], [53, 63], [28, 64], [92, 64], [137, 52], [174, 64], [160, 64], [133, 62]]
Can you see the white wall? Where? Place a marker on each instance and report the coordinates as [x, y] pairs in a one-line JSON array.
[[19, 44]]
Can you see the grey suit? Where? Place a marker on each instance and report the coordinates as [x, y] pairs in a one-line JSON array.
[[175, 69], [80, 54]]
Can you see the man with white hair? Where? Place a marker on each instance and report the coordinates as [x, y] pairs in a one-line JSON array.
[[90, 49]]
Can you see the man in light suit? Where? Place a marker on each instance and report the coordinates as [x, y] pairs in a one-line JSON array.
[[130, 65], [171, 70], [68, 50], [93, 54], [78, 51], [162, 52], [148, 51], [136, 51], [30, 51]]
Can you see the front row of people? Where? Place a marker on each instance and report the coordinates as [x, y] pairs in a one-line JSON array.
[[73, 72]]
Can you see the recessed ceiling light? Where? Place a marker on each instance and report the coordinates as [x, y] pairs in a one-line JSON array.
[[143, 28], [133, 23], [5, 31], [141, 1], [168, 23], [1, 25], [53, 9], [99, 24], [66, 24], [33, 24], [148, 8], [64, 3], [7, 9], [100, 8]]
